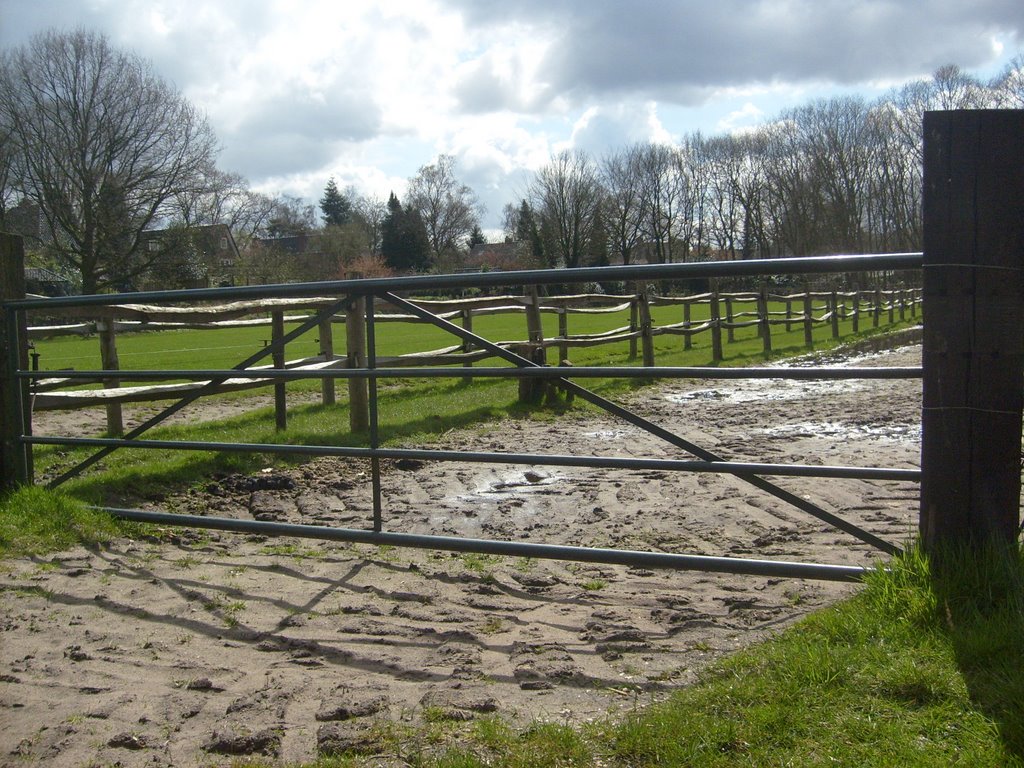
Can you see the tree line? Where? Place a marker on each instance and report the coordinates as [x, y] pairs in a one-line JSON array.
[[98, 151], [841, 175]]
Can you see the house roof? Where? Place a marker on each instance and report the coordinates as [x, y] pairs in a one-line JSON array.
[[498, 256]]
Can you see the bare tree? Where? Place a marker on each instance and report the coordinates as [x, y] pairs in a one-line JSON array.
[[665, 203], [103, 146], [369, 211], [566, 195], [621, 176], [449, 208], [1008, 88], [6, 162]]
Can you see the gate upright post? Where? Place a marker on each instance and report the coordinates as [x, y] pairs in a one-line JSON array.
[[973, 352], [14, 458]]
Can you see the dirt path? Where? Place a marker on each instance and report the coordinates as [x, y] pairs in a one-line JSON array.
[[212, 645]]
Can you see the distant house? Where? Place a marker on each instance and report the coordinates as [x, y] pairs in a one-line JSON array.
[[311, 257], [191, 257], [25, 219], [499, 257], [647, 253]]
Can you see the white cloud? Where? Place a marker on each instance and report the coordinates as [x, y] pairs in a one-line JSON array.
[[369, 90], [746, 117]]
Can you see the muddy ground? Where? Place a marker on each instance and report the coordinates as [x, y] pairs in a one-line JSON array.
[[203, 646]]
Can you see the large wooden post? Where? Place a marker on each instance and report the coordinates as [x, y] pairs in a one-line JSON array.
[[974, 328], [14, 458]]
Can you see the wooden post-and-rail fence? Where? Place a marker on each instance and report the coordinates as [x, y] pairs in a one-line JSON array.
[[726, 311]]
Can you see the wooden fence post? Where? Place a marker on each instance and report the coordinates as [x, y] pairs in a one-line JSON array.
[[856, 311], [833, 306], [765, 319], [730, 332], [808, 318], [532, 390], [355, 357], [15, 463], [327, 392], [716, 325], [973, 358], [563, 331], [789, 315], [877, 309], [687, 338], [109, 362], [633, 320], [278, 357], [467, 346], [646, 337]]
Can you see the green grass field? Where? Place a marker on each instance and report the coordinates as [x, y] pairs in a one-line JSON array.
[[411, 410], [224, 348]]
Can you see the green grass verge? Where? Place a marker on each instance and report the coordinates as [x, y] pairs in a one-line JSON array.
[[34, 520]]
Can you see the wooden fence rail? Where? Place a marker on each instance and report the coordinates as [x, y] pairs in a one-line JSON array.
[[741, 310]]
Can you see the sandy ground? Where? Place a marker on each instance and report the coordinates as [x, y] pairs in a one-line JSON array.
[[203, 646]]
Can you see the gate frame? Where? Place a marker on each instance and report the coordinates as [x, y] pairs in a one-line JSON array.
[[353, 292]]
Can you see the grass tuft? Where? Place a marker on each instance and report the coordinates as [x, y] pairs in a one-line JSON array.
[[34, 520]]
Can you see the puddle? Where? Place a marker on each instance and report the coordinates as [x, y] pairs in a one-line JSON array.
[[505, 497], [513, 484], [896, 432], [766, 390], [840, 359], [606, 434], [784, 390]]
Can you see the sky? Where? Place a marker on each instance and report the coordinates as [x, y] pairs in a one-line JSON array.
[[368, 92]]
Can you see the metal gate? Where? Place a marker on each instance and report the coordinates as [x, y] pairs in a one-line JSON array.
[[693, 458]]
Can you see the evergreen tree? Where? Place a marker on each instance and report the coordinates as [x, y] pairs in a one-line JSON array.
[[337, 208], [528, 232], [476, 237], [404, 242]]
